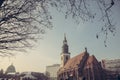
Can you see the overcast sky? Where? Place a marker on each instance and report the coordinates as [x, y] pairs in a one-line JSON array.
[[47, 50]]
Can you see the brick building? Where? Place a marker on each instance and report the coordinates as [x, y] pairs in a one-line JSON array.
[[81, 67]]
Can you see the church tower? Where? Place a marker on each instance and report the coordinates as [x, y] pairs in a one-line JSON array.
[[65, 55]]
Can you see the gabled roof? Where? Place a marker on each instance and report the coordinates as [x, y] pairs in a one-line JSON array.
[[92, 61], [73, 62]]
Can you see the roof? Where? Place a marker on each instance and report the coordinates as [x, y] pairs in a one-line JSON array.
[[54, 65], [91, 60], [73, 62], [76, 61]]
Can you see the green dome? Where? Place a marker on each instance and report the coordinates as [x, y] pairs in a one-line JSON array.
[[11, 69]]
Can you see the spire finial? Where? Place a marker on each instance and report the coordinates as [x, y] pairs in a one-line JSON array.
[[65, 36], [65, 40], [85, 49]]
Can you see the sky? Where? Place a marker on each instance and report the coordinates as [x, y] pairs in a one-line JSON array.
[[47, 50]]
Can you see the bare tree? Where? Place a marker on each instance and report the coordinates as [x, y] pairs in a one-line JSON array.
[[21, 20]]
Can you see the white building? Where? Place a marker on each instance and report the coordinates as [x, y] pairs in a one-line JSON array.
[[11, 70], [28, 75], [51, 71], [111, 65]]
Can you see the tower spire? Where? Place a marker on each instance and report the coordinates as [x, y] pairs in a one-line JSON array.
[[65, 37], [65, 40], [65, 55]]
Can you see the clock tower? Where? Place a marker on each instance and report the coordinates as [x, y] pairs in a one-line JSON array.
[[65, 55]]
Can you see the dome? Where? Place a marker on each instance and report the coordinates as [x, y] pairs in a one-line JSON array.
[[11, 69]]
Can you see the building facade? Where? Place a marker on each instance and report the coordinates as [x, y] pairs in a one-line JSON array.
[[111, 65], [111, 69], [11, 74], [51, 71], [81, 67]]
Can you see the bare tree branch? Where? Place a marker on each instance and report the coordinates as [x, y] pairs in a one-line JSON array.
[[21, 20], [86, 10], [1, 2]]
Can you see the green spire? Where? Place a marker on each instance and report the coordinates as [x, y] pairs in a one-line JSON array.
[[65, 40]]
